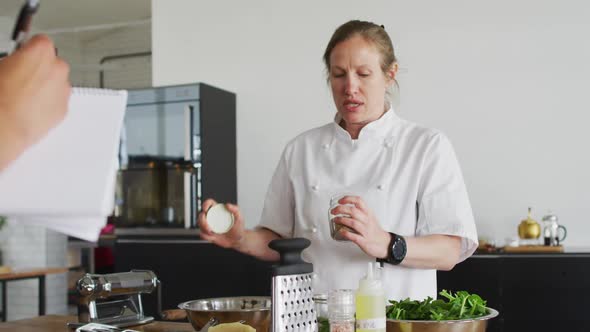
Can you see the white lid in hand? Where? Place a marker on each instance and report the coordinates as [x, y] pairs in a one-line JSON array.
[[220, 220]]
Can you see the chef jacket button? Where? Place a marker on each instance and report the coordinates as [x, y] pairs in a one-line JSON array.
[[380, 187], [314, 229], [315, 187], [326, 146]]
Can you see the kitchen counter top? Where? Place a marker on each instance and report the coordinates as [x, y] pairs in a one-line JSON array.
[[21, 274], [103, 241], [568, 251], [30, 273], [55, 323], [140, 234]]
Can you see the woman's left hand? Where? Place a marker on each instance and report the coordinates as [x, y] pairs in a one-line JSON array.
[[371, 238]]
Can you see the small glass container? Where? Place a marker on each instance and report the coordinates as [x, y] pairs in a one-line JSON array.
[[334, 227], [321, 309], [341, 310]]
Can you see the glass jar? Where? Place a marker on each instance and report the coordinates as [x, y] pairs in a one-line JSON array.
[[321, 309], [341, 310], [334, 227]]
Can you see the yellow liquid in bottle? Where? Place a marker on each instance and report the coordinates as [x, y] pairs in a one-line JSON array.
[[370, 313]]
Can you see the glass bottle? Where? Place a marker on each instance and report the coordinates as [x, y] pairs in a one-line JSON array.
[[321, 309], [341, 310]]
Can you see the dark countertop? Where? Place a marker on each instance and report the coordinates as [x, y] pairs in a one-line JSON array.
[[146, 235], [567, 252], [175, 235], [103, 241]]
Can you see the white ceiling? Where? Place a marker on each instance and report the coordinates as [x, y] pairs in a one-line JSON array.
[[58, 14]]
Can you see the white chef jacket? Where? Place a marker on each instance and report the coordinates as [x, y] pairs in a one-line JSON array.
[[408, 176]]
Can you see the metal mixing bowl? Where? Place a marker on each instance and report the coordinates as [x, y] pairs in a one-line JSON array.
[[254, 310], [462, 325]]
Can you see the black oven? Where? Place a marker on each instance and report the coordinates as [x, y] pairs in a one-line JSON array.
[[177, 148]]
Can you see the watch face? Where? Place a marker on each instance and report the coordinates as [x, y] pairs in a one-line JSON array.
[[399, 249]]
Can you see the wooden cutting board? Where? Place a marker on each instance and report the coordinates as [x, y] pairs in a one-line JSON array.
[[533, 249], [54, 323], [5, 269]]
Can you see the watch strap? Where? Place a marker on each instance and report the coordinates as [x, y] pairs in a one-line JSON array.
[[397, 243], [389, 252]]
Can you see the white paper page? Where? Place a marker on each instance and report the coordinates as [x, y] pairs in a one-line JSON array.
[[70, 174]]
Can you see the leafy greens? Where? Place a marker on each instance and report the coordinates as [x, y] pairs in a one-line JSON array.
[[460, 305], [323, 324]]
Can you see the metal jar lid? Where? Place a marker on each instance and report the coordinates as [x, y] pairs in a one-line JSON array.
[[550, 217], [220, 219], [320, 298]]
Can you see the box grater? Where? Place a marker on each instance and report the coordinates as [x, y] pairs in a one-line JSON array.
[[292, 292]]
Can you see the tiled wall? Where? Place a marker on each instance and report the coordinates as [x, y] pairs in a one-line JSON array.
[[5, 25], [124, 73], [33, 247], [85, 50]]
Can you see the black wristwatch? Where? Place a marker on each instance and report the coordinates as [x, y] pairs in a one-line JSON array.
[[396, 251]]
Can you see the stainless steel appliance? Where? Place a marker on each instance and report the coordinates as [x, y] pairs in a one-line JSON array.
[[292, 292], [178, 147], [114, 299], [551, 234]]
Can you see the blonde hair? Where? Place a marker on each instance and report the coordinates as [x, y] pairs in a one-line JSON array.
[[370, 32]]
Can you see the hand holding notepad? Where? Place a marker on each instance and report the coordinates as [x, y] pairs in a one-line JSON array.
[[34, 94], [66, 181]]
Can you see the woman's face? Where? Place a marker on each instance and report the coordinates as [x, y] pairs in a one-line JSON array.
[[357, 81]]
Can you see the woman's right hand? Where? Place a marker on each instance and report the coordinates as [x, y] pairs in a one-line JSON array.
[[233, 237]]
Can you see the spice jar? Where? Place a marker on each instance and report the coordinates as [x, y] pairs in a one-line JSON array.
[[341, 309], [321, 309], [334, 227]]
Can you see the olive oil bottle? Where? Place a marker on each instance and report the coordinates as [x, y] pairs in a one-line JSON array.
[[370, 302]]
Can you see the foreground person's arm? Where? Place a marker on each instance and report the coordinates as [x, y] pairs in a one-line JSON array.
[[34, 94]]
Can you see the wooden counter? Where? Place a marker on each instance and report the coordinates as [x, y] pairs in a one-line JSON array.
[[21, 274], [54, 323], [31, 273]]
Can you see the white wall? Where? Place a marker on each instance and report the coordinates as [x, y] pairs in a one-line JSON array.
[[505, 80]]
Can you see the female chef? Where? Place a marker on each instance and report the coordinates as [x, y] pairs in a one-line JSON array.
[[405, 201]]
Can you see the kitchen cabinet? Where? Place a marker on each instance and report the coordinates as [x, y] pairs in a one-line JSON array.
[[190, 268], [533, 292]]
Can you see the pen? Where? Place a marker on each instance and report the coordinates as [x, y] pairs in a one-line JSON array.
[[23, 22]]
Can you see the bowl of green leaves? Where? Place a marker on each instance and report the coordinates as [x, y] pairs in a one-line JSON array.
[[453, 312]]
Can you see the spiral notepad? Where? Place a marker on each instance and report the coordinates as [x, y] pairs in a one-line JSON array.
[[66, 181]]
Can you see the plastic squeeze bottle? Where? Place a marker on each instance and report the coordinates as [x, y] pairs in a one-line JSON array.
[[370, 303]]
